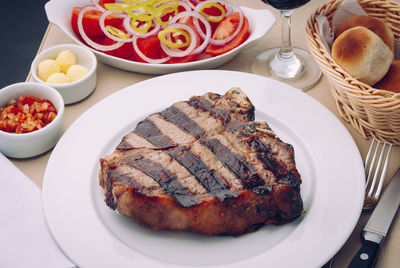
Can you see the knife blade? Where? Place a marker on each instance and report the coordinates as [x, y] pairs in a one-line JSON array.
[[378, 225]]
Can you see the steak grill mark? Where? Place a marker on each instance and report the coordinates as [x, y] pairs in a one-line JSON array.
[[202, 104], [166, 179], [209, 179], [190, 161], [150, 132], [243, 170], [265, 155], [178, 118], [115, 176]]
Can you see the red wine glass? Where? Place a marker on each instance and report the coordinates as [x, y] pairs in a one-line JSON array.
[[286, 63]]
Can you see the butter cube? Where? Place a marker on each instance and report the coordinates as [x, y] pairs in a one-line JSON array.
[[57, 78], [76, 72], [65, 59], [46, 68]]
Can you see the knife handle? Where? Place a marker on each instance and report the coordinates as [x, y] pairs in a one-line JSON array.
[[365, 257]]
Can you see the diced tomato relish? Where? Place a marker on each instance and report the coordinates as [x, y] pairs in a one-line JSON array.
[[26, 114]]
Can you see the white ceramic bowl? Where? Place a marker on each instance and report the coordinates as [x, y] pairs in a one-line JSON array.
[[74, 91], [261, 20], [39, 141]]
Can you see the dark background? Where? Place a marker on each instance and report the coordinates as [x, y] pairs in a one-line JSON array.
[[23, 24]]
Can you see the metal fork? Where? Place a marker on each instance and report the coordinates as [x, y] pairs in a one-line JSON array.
[[375, 176], [373, 188]]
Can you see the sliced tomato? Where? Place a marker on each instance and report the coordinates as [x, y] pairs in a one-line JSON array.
[[90, 22], [150, 47], [188, 58], [125, 51], [102, 2], [225, 29]]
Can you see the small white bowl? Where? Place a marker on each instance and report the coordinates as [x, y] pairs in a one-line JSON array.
[[37, 142], [74, 91]]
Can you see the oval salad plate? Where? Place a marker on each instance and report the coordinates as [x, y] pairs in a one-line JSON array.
[[260, 22]]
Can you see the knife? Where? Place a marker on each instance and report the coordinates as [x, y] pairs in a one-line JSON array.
[[378, 225]]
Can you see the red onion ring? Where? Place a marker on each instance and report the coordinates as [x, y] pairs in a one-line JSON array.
[[173, 52], [96, 3], [187, 5], [228, 6], [144, 57], [107, 33], [205, 36], [87, 39]]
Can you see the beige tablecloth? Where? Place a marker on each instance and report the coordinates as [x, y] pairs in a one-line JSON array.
[[111, 80]]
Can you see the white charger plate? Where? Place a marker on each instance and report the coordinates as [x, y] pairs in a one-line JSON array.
[[93, 235], [260, 21]]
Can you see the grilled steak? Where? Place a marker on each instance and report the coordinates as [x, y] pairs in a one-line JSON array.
[[203, 165]]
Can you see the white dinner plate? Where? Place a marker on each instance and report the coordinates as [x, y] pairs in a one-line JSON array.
[[260, 21], [93, 235]]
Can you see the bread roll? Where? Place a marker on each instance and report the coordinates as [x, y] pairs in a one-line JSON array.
[[371, 23], [391, 81], [362, 54]]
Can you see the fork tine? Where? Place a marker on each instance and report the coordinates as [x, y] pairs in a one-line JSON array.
[[373, 189], [384, 171], [376, 173], [372, 164], [369, 154]]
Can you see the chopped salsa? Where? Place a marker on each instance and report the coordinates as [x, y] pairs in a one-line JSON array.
[[26, 114]]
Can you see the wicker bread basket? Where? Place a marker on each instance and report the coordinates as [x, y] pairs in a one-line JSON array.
[[373, 112]]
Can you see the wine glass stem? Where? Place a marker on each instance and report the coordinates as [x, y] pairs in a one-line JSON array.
[[286, 49]]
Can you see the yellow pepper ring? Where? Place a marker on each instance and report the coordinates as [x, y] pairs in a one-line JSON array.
[[118, 6], [213, 18], [175, 32], [117, 32], [141, 2], [163, 10], [142, 12], [158, 3], [135, 2], [144, 27]]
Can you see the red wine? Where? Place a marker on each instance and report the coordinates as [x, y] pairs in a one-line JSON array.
[[286, 4]]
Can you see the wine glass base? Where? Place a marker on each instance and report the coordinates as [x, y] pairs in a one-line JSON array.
[[303, 80]]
